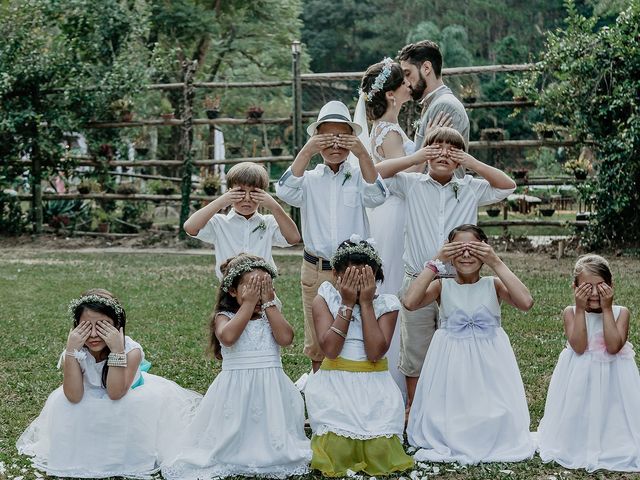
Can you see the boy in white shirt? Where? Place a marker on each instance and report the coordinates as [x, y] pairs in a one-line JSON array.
[[243, 229], [332, 198], [436, 202]]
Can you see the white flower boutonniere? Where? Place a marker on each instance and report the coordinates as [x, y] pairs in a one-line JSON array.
[[455, 186], [261, 226], [347, 176], [416, 124]]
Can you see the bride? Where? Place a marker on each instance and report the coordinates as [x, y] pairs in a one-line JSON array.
[[383, 91]]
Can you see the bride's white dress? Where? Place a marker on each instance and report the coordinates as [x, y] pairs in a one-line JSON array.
[[386, 224]]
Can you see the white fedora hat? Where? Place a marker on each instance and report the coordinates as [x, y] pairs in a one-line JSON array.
[[334, 112]]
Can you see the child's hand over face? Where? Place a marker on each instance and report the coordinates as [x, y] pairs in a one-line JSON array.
[[461, 157], [250, 291], [582, 294], [232, 196], [78, 336], [348, 286], [353, 144], [113, 337], [426, 154], [267, 293], [319, 142], [606, 295], [367, 284], [451, 250], [483, 252], [263, 198]]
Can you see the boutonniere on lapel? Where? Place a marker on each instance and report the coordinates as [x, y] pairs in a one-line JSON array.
[[416, 124], [261, 226], [455, 186], [347, 176]]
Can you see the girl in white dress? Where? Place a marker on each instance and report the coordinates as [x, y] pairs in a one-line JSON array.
[[108, 418], [592, 416], [383, 92], [355, 409], [470, 404], [251, 420]]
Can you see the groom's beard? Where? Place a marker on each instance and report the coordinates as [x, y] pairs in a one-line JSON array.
[[417, 91]]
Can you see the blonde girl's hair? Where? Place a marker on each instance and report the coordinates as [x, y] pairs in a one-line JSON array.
[[248, 173], [225, 301], [594, 264], [445, 135]]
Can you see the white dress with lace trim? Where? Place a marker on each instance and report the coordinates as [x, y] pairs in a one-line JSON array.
[[386, 224], [99, 437], [591, 418], [251, 420], [358, 405]]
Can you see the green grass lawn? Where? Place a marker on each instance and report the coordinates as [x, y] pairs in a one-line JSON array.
[[168, 299]]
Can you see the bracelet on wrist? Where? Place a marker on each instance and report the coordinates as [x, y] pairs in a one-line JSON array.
[[436, 266], [117, 359], [79, 355], [271, 303], [343, 309], [338, 331]]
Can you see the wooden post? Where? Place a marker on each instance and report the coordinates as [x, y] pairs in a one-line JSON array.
[[296, 49], [189, 68]]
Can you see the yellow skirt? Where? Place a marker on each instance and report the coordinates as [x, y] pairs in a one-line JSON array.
[[333, 455]]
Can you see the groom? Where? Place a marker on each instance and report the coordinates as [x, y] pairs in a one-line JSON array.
[[422, 66]]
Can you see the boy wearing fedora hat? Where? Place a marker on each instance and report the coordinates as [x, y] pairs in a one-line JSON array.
[[332, 198]]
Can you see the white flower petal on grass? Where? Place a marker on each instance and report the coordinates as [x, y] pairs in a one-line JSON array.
[[18, 478], [414, 475], [506, 472], [351, 473], [436, 470], [552, 477], [2, 469], [38, 474]]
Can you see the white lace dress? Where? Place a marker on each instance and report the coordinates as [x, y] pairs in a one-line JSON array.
[[386, 224], [251, 420], [357, 405], [592, 415], [99, 437], [470, 405]]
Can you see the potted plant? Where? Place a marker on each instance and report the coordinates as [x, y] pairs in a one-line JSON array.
[[122, 108], [276, 146], [493, 210], [167, 188], [127, 188], [212, 107], [234, 149], [469, 93], [547, 131], [103, 219], [211, 184], [141, 143], [520, 173], [579, 167], [87, 186], [166, 110], [492, 134], [254, 112]]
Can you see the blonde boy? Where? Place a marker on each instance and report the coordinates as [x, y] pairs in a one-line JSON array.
[[436, 202], [243, 229], [332, 198]]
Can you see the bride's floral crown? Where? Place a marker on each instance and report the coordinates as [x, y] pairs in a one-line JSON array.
[[93, 298], [380, 80], [244, 267], [361, 247]]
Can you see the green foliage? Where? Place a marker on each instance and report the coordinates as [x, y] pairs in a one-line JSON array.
[[591, 84], [12, 220]]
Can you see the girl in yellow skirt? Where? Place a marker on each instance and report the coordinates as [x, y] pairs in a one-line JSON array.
[[355, 408]]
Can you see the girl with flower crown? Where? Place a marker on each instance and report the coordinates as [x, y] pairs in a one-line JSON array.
[[251, 420], [355, 409], [109, 418], [383, 92]]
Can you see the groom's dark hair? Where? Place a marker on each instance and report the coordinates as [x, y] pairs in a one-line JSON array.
[[420, 52]]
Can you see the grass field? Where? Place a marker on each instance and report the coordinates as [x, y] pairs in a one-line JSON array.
[[168, 299]]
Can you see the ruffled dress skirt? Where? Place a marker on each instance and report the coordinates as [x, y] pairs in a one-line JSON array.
[[357, 420], [99, 437], [250, 423], [592, 414]]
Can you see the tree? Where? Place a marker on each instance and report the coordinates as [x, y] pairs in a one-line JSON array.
[[62, 64], [591, 84]]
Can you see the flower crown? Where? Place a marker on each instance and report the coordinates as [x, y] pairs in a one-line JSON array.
[[243, 268], [381, 79], [361, 247], [93, 298]]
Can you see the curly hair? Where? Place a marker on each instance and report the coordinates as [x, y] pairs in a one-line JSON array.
[[377, 104]]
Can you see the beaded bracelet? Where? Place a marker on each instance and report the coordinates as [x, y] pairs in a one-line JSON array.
[[272, 303], [117, 360], [338, 331]]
